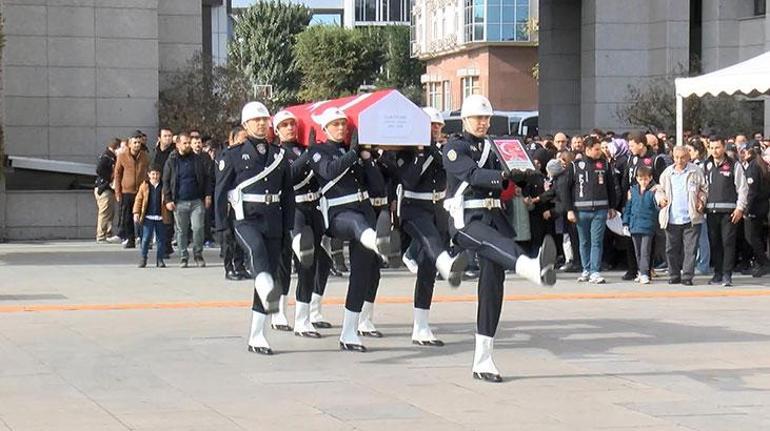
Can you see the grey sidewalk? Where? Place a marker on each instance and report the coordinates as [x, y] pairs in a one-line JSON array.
[[624, 364]]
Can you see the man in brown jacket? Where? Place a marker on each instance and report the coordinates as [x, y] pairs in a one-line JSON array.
[[130, 172]]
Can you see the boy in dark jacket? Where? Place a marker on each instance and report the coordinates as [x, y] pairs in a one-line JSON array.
[[640, 219]]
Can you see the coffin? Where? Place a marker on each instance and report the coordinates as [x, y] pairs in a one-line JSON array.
[[383, 118]]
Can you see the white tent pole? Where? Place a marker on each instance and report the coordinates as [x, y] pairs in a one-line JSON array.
[[679, 120]]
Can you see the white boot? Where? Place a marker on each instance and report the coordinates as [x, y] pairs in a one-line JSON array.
[[257, 341], [278, 320], [540, 269], [369, 240], [348, 338], [267, 292], [421, 332], [365, 325], [316, 317], [303, 247], [483, 366], [410, 263], [296, 246], [302, 325], [451, 268], [529, 268]]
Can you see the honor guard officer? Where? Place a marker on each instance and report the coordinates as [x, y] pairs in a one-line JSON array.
[[725, 205], [235, 268], [346, 177], [475, 179], [422, 215], [255, 179], [313, 267]]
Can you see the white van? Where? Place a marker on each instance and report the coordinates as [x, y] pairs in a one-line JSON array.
[[502, 123]]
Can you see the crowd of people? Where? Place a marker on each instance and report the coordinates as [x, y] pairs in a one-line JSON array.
[[450, 210]]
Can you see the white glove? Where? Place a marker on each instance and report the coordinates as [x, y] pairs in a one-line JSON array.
[[626, 231]]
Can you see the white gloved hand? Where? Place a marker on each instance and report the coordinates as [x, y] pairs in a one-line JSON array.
[[626, 231]]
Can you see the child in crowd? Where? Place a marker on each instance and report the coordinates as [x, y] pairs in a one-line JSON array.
[[640, 219], [151, 212]]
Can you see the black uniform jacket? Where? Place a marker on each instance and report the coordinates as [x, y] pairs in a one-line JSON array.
[[416, 176], [329, 160], [243, 162]]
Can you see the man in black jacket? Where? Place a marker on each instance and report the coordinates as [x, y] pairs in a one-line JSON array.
[[105, 195], [187, 188]]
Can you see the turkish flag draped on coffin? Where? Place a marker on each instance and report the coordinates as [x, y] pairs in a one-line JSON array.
[[383, 117]]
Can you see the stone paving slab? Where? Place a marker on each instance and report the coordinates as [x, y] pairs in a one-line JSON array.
[[654, 364]]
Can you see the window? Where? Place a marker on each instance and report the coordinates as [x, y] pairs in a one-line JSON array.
[[434, 95], [447, 95], [470, 86], [759, 7], [383, 10], [474, 20], [507, 20]]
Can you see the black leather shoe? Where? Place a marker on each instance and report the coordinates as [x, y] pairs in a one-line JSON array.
[[352, 347], [628, 276], [686, 282], [727, 280], [373, 334], [760, 271], [130, 245], [261, 350], [321, 325], [183, 263], [142, 262], [285, 328], [160, 264], [674, 280], [199, 262], [428, 343], [232, 275], [308, 334], [716, 279], [488, 377], [243, 274]]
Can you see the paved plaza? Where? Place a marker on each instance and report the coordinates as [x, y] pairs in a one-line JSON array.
[[90, 342]]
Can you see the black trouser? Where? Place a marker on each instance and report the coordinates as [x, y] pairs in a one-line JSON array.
[[722, 240], [232, 251], [428, 244], [743, 247], [658, 248], [348, 225], [497, 252], [313, 278], [627, 245], [263, 253], [755, 236], [682, 249], [127, 230], [283, 272], [170, 234]]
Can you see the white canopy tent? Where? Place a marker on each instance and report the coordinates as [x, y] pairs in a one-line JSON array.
[[752, 75]]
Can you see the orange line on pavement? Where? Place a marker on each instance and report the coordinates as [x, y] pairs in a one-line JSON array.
[[395, 300]]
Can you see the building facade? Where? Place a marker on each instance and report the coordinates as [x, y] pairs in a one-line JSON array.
[[483, 47], [76, 73], [592, 50]]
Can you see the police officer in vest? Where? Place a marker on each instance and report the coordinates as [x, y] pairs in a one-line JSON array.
[[641, 155], [725, 206], [421, 212], [346, 177], [256, 180], [313, 266], [475, 179], [591, 202]]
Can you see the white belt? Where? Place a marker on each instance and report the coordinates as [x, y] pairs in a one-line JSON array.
[[721, 205], [347, 199], [154, 217], [307, 197], [425, 196], [488, 203], [262, 199], [589, 204], [378, 202]]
